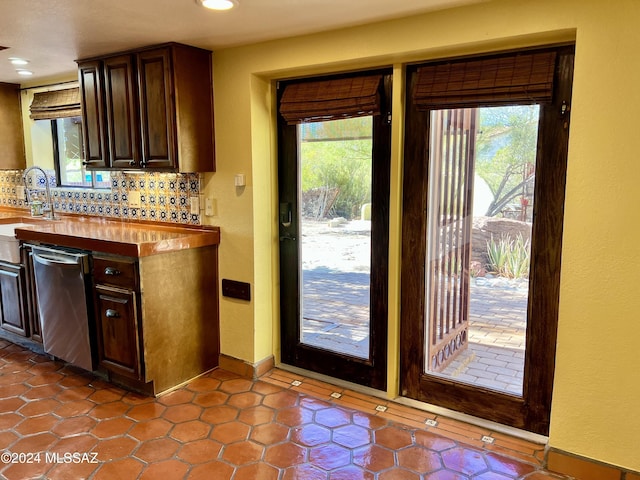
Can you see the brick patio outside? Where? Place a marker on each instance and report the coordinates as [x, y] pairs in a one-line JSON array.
[[336, 317]]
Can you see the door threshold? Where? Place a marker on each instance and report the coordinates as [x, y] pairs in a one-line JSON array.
[[426, 407], [334, 381], [475, 421]]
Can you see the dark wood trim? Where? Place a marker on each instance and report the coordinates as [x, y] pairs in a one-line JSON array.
[[531, 411], [544, 290], [414, 248]]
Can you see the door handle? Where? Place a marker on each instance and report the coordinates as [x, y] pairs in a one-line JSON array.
[[110, 313]]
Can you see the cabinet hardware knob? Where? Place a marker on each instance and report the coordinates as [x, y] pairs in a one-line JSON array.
[[111, 271], [85, 163], [132, 163], [112, 313]]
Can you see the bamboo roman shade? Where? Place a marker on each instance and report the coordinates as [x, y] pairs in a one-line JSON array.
[[521, 78], [331, 99], [55, 104]]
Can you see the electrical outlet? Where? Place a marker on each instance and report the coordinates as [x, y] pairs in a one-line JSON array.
[[195, 205], [21, 193], [134, 199]]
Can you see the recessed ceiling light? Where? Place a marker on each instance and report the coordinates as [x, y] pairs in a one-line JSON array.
[[218, 4], [24, 73], [18, 61]]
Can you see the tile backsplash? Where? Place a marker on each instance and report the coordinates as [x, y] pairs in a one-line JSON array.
[[164, 197]]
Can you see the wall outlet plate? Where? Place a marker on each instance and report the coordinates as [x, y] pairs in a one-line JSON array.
[[235, 289], [134, 199], [21, 192], [210, 207], [195, 205]]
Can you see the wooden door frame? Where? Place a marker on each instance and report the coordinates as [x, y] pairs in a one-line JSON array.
[[531, 411], [370, 372]]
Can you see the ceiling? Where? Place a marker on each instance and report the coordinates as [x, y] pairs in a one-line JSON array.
[[51, 34]]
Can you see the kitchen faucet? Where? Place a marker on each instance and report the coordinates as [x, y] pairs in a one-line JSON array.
[[49, 202]]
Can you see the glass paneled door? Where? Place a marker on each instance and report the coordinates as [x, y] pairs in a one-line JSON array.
[[333, 213], [486, 144], [479, 222]]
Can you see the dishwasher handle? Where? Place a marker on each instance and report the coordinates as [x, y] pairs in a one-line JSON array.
[[60, 258], [48, 259]]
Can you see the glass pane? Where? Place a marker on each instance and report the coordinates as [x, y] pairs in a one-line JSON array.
[[335, 231], [70, 153], [101, 179], [482, 174]]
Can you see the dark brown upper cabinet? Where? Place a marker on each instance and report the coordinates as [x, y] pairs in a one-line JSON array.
[[93, 119], [149, 108], [11, 133], [123, 126]]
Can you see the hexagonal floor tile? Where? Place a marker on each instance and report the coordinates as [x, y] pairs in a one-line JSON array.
[[311, 435], [351, 436], [393, 437], [242, 453], [333, 417], [330, 456], [464, 460], [419, 460], [285, 455], [225, 427]]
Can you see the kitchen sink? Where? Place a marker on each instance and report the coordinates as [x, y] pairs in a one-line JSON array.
[[9, 244]]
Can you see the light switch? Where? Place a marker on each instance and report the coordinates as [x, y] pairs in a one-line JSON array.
[[209, 207], [239, 180]]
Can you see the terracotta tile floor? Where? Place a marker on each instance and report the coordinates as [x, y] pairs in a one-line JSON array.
[[223, 427]]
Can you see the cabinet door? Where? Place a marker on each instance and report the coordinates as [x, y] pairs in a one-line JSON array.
[[122, 113], [93, 127], [157, 109], [12, 299], [118, 340], [11, 133]]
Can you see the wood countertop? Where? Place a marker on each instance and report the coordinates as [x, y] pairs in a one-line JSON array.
[[130, 239]]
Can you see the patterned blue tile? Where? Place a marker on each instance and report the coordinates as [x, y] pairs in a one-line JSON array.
[[164, 197]]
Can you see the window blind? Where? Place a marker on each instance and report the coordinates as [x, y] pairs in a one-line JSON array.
[[522, 78], [55, 104], [331, 99]]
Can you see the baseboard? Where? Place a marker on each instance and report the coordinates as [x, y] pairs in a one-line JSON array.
[[585, 468], [244, 368]]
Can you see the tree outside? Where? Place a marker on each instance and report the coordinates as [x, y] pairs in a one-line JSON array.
[[337, 165], [505, 158]]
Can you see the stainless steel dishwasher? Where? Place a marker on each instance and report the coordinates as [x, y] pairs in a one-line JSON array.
[[61, 279]]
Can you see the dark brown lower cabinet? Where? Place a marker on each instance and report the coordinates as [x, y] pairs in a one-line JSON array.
[[118, 339], [13, 306], [156, 317]]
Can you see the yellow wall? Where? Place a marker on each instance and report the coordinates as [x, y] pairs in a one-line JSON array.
[[595, 406]]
